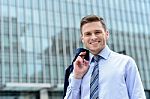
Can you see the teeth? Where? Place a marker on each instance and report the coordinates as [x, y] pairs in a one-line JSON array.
[[93, 42]]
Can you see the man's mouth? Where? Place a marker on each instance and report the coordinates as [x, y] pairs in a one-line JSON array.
[[94, 42]]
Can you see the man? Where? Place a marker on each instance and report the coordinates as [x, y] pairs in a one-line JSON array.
[[106, 75]]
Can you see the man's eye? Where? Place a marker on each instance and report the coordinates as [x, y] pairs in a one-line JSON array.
[[87, 34], [98, 32]]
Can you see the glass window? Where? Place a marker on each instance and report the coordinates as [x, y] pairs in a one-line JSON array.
[[51, 18], [1, 72], [83, 9], [15, 42], [62, 73], [42, 4], [76, 8], [70, 7], [28, 3], [71, 20], [5, 11], [57, 19], [28, 16], [45, 46], [6, 28], [133, 6], [21, 3], [95, 10], [36, 16], [55, 95], [44, 31], [36, 3], [88, 9], [56, 6], [5, 2], [21, 15], [43, 17], [29, 43], [13, 12], [31, 71], [127, 2], [24, 72], [7, 72], [12, 2], [23, 45], [39, 71], [37, 45], [6, 41], [22, 29], [29, 30], [88, 2], [49, 5], [15, 56], [54, 71], [36, 30], [16, 72], [38, 57], [30, 58], [63, 7], [47, 73], [47, 58], [64, 20], [77, 21], [23, 57], [7, 55], [14, 29]]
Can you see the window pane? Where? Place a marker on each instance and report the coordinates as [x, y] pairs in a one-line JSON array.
[[16, 72], [21, 3], [36, 17], [12, 2], [36, 4]]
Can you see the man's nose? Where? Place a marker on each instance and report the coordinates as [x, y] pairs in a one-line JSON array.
[[93, 36]]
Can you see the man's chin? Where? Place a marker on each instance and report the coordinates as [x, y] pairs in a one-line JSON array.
[[93, 50]]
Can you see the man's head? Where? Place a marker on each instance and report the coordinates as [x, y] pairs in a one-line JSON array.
[[94, 33]]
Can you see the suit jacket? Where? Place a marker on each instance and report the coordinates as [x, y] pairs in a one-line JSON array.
[[70, 68]]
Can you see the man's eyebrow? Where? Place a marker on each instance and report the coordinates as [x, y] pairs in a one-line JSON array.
[[98, 30], [87, 32]]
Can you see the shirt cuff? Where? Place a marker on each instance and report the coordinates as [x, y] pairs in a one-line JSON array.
[[76, 83]]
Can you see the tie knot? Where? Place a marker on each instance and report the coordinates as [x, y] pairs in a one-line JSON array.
[[96, 58]]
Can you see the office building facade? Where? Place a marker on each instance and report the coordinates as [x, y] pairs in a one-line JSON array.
[[38, 39]]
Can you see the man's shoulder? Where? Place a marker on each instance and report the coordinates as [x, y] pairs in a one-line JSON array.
[[120, 56]]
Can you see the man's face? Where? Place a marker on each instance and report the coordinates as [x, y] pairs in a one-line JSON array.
[[94, 37]]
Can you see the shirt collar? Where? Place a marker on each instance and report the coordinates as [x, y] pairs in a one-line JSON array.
[[104, 53]]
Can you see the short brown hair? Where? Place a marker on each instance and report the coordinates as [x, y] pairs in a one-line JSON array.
[[92, 18]]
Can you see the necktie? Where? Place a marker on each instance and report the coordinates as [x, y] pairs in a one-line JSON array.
[[94, 83]]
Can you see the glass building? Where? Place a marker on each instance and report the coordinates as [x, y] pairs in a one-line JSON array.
[[38, 39]]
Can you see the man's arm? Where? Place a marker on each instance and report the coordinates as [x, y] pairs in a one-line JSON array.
[[73, 90], [75, 79], [133, 81]]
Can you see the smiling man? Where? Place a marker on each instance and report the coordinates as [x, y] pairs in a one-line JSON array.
[[107, 74]]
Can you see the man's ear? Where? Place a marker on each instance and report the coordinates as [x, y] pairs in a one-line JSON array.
[[107, 34], [81, 37]]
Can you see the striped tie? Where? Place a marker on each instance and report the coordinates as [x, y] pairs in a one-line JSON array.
[[94, 92]]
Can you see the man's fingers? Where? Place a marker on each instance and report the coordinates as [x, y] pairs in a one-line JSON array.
[[82, 54], [79, 61]]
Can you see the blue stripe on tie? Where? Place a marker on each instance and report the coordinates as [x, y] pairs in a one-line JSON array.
[[94, 92], [94, 80]]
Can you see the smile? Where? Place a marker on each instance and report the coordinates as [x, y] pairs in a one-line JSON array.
[[95, 42]]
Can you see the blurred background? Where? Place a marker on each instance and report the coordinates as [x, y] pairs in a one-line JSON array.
[[38, 39]]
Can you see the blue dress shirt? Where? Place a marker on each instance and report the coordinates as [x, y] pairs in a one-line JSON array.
[[118, 79]]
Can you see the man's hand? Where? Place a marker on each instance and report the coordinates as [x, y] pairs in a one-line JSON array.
[[80, 66]]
